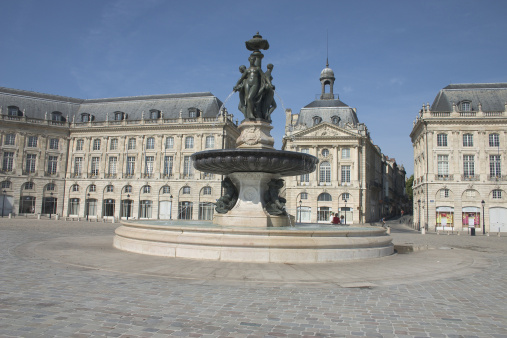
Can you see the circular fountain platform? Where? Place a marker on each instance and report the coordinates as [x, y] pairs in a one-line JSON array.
[[301, 244]]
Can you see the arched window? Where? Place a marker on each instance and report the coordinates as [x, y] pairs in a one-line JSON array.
[[74, 187], [127, 189], [166, 189], [85, 117], [466, 106], [206, 191], [186, 190], [118, 116], [325, 173], [92, 188], [154, 114], [325, 152], [335, 120], [324, 197], [109, 188], [316, 120], [50, 187], [146, 189]]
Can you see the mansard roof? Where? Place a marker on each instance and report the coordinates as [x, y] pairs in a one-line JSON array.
[[326, 110], [491, 96], [37, 105]]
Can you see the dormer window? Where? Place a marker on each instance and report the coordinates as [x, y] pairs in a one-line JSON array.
[[466, 106], [335, 120], [154, 114], [85, 117], [119, 116], [316, 120], [56, 116], [193, 112], [14, 111]]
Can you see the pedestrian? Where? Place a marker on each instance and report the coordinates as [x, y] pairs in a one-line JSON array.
[[383, 222], [336, 219]]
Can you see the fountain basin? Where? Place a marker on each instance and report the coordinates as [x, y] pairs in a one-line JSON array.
[[254, 245], [227, 161]]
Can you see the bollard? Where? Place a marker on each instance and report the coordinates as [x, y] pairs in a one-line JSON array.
[[38, 216], [388, 230], [57, 217], [10, 214], [423, 231], [112, 221]]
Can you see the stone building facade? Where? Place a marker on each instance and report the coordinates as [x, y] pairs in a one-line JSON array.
[[353, 177], [459, 154], [118, 157]]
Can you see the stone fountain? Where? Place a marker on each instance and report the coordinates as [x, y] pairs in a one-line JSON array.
[[251, 223]]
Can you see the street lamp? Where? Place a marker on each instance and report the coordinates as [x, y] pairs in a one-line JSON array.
[[300, 211], [171, 208], [52, 204], [345, 211], [87, 206], [483, 222], [128, 203], [3, 202], [419, 218]]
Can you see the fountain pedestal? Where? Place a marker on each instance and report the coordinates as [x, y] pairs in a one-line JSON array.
[[249, 210], [255, 135]]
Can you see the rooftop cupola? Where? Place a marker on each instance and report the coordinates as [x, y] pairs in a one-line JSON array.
[[327, 79]]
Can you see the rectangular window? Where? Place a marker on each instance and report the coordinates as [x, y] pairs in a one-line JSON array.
[[169, 142], [148, 169], [305, 178], [497, 194], [131, 165], [444, 193], [189, 142], [78, 166], [468, 140], [210, 142], [494, 140], [30, 163], [443, 165], [305, 150], [74, 206], [325, 173], [168, 166], [495, 166], [8, 161], [79, 145], [53, 143], [146, 209], [112, 165], [131, 144], [95, 166], [345, 196], [468, 166], [52, 164], [96, 144], [345, 174], [206, 211], [150, 143], [10, 139], [304, 196], [32, 141], [188, 168], [345, 153], [442, 140], [114, 144]]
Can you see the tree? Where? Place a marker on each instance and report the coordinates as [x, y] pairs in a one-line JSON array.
[[408, 187]]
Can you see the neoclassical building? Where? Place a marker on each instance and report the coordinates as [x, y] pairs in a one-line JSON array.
[[353, 178], [458, 159], [126, 157]]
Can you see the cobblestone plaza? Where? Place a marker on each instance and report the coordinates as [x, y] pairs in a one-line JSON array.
[[64, 279]]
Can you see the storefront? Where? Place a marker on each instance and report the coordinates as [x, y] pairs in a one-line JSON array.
[[471, 217], [445, 218]]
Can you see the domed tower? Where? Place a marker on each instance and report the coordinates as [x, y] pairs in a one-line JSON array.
[[327, 79]]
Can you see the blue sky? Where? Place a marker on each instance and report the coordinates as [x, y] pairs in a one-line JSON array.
[[389, 57]]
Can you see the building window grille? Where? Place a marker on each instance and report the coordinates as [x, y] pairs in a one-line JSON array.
[[96, 144], [30, 163], [468, 140], [494, 140], [442, 140], [186, 190], [210, 142], [92, 188], [443, 165], [188, 168], [325, 152], [495, 169], [8, 161], [113, 145], [131, 165], [131, 144], [10, 139], [78, 166], [32, 141], [345, 173], [468, 166], [95, 166], [52, 164], [79, 145], [28, 186], [149, 165], [325, 173], [168, 166], [112, 166], [206, 191], [150, 143], [189, 142], [53, 143], [169, 142], [345, 153], [497, 194]]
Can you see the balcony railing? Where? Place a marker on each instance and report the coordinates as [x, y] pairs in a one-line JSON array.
[[128, 175], [469, 177], [147, 175], [444, 177], [93, 175], [110, 175], [498, 177], [167, 176], [32, 173], [75, 175], [46, 174]]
